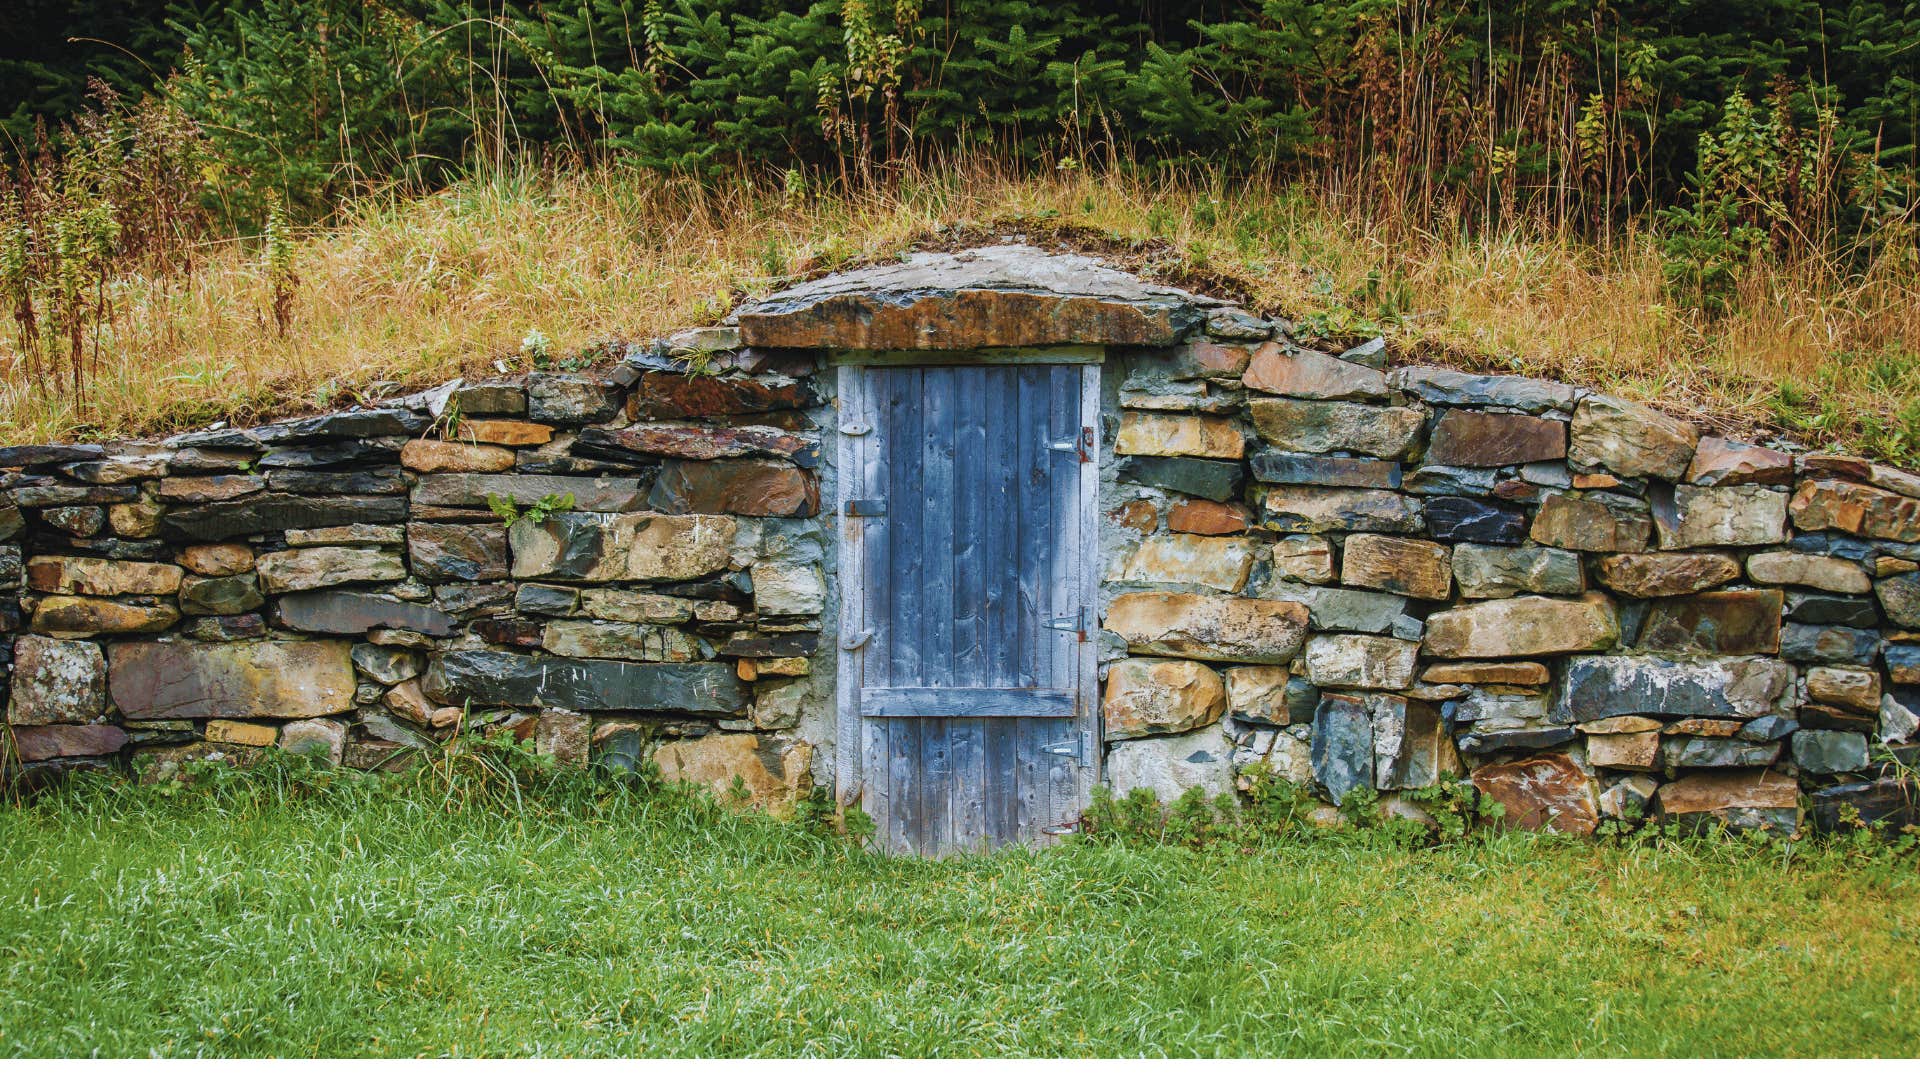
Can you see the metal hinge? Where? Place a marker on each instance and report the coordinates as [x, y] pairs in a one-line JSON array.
[[1075, 623], [1075, 748], [1067, 829]]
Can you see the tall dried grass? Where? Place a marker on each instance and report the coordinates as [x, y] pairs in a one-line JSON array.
[[411, 290]]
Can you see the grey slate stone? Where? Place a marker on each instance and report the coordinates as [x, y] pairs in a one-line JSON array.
[[357, 613], [499, 678], [1342, 748], [1704, 752], [1829, 752], [572, 399], [1354, 610], [1830, 609], [1216, 480], [1453, 519], [1809, 644], [1280, 467], [1443, 387], [605, 494], [1596, 687], [272, 512]]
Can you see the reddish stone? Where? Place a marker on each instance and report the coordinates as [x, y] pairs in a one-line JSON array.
[[1548, 792], [1138, 515], [1206, 518], [1719, 462], [749, 488], [1305, 373], [67, 740], [666, 395], [523, 633], [1718, 791], [1484, 440], [1216, 359], [1855, 508]]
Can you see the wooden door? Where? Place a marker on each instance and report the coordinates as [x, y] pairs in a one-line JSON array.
[[966, 673]]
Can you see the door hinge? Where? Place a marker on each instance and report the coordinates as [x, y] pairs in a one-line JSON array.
[[1066, 829], [1081, 444], [855, 641], [1075, 624], [866, 508], [1075, 748]]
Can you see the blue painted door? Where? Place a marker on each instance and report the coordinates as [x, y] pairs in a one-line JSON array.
[[969, 518]]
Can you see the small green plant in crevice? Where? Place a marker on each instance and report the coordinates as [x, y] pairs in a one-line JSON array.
[[542, 508], [537, 348], [815, 813]]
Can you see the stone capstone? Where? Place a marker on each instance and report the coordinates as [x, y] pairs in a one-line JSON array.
[[1208, 627], [1156, 697], [1718, 462], [1276, 368], [992, 297], [160, 680], [1627, 439]]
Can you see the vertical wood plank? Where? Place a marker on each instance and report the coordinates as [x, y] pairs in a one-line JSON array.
[[1000, 600], [904, 474], [937, 537], [1068, 549], [1087, 577], [967, 767], [849, 728]]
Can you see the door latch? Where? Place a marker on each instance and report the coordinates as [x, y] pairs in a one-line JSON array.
[[1081, 444], [866, 508]]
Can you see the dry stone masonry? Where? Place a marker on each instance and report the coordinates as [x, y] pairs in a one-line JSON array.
[[1349, 573]]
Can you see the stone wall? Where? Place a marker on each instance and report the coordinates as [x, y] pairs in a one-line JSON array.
[[349, 584], [1358, 573], [1367, 576]]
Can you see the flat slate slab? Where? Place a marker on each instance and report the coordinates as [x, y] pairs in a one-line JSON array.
[[989, 297], [493, 678], [168, 680]]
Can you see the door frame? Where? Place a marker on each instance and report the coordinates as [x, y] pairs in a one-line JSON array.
[[859, 459]]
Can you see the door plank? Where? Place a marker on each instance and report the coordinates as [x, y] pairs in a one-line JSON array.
[[905, 495], [937, 535]]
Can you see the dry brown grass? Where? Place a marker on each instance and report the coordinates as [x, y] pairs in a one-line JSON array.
[[416, 290]]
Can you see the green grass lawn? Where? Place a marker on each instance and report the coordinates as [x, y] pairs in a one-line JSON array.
[[380, 922]]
